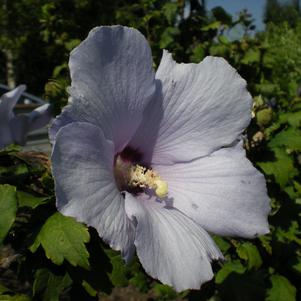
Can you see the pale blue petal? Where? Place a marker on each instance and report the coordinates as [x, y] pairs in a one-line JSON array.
[[112, 82], [82, 166], [40, 117], [22, 124], [223, 192], [7, 103], [171, 247], [202, 107]]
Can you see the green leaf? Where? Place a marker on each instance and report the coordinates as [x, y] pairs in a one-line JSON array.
[[170, 11], [290, 138], [10, 149], [29, 200], [228, 268], [282, 168], [89, 289], [292, 118], [49, 285], [8, 209], [292, 233], [3, 289], [265, 88], [198, 54], [219, 50], [120, 270], [17, 171], [212, 26], [251, 56], [62, 238], [281, 290], [164, 292], [14, 298], [249, 252], [297, 266], [168, 37], [223, 39], [222, 243]]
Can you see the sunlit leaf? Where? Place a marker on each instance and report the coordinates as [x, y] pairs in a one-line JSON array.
[[282, 168], [234, 266], [281, 290], [249, 252], [289, 138], [64, 238]]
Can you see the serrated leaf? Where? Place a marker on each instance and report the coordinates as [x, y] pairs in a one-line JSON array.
[[281, 290], [282, 168], [291, 234], [290, 138], [8, 209], [29, 200], [249, 252], [49, 285], [62, 238], [292, 118], [228, 268], [118, 276]]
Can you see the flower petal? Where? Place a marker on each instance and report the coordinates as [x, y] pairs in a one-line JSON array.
[[203, 107], [82, 165], [22, 124], [112, 82], [7, 103], [40, 117], [223, 193], [9, 100], [170, 246]]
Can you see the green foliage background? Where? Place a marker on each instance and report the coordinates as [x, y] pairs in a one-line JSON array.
[[46, 256]]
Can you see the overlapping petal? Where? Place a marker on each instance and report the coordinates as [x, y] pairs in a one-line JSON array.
[[22, 124], [203, 107], [7, 103], [171, 246], [223, 192], [112, 82], [82, 165]]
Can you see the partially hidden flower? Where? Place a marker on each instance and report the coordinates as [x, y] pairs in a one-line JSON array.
[[154, 161], [15, 128]]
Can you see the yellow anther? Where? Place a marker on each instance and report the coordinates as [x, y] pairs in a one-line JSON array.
[[162, 188], [139, 176]]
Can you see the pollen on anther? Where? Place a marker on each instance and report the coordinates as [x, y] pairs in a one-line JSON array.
[[142, 177]]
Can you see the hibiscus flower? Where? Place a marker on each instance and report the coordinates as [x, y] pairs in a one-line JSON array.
[[154, 161], [15, 128]]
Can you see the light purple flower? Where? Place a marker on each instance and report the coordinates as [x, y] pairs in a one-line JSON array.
[[152, 161], [14, 128]]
